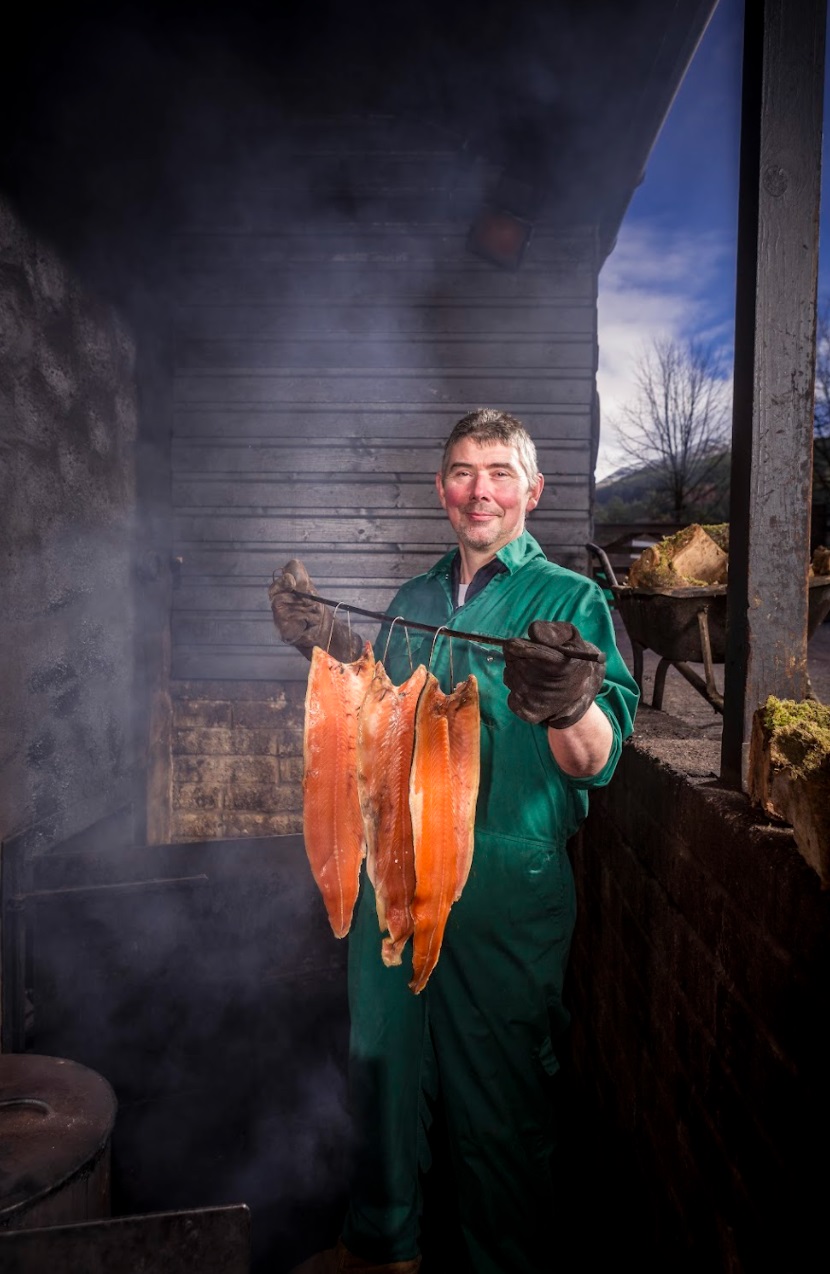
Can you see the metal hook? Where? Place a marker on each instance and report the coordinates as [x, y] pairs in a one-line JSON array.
[[438, 632], [389, 637], [331, 630]]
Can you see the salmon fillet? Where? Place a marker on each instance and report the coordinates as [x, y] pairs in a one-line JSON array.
[[442, 799], [332, 818], [386, 738]]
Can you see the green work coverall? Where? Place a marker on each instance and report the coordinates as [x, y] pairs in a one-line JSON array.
[[481, 1036]]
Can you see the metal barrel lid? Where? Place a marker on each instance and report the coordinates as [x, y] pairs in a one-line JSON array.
[[56, 1119]]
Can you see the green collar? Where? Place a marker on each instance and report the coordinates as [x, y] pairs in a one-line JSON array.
[[515, 554]]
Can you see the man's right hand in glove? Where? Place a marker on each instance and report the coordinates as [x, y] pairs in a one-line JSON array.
[[304, 623], [549, 687]]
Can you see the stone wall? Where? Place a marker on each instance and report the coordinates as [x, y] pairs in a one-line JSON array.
[[68, 424], [699, 986]]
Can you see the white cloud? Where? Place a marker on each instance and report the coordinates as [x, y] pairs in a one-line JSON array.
[[656, 282]]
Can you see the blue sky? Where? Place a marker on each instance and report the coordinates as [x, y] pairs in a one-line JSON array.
[[672, 271]]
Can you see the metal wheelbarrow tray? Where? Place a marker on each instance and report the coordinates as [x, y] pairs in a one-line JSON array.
[[687, 625]]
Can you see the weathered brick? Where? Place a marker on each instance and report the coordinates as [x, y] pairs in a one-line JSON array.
[[225, 769], [290, 769], [268, 714], [189, 714], [203, 826], [238, 691], [257, 714], [694, 971], [295, 715], [263, 799], [197, 796], [263, 824], [288, 824], [224, 743], [288, 742], [254, 742], [199, 742], [710, 1021]]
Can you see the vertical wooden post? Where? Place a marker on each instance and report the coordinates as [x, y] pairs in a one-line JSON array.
[[154, 583], [775, 326]]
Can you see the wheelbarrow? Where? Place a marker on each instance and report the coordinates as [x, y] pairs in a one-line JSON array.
[[686, 625]]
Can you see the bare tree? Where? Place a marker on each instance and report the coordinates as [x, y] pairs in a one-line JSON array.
[[821, 411], [676, 425]]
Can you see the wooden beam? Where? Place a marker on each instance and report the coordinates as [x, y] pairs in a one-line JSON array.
[[775, 321]]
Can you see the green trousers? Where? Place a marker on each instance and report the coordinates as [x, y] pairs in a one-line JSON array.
[[480, 1039]]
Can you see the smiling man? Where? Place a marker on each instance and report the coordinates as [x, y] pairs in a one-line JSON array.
[[486, 492], [481, 1039]]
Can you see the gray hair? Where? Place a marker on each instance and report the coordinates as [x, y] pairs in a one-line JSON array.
[[488, 425]]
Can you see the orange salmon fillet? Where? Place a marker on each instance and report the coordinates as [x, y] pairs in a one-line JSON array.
[[386, 738], [442, 798], [332, 818]]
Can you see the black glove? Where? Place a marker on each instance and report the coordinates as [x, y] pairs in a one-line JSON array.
[[305, 624], [547, 687]]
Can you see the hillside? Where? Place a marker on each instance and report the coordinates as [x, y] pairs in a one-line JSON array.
[[633, 494]]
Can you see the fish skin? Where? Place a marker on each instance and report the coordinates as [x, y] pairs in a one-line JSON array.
[[332, 819], [386, 739], [443, 792]]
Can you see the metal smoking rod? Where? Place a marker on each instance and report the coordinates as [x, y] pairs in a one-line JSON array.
[[589, 656]]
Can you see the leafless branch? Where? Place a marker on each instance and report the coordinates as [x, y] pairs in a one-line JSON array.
[[676, 423]]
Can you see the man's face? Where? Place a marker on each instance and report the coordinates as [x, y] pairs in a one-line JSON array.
[[486, 494]]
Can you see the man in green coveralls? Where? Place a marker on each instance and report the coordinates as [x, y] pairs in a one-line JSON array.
[[481, 1038]]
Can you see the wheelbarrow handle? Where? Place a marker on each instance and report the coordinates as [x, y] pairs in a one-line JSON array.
[[601, 554]]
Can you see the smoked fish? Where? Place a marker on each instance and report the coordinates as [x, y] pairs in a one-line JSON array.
[[386, 739], [443, 790], [332, 818]]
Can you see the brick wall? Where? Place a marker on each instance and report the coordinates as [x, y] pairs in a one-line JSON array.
[[237, 749], [699, 985]]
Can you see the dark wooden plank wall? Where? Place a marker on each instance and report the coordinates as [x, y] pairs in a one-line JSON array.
[[321, 361]]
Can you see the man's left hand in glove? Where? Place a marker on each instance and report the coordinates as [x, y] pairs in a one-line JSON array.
[[304, 623], [547, 686]]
